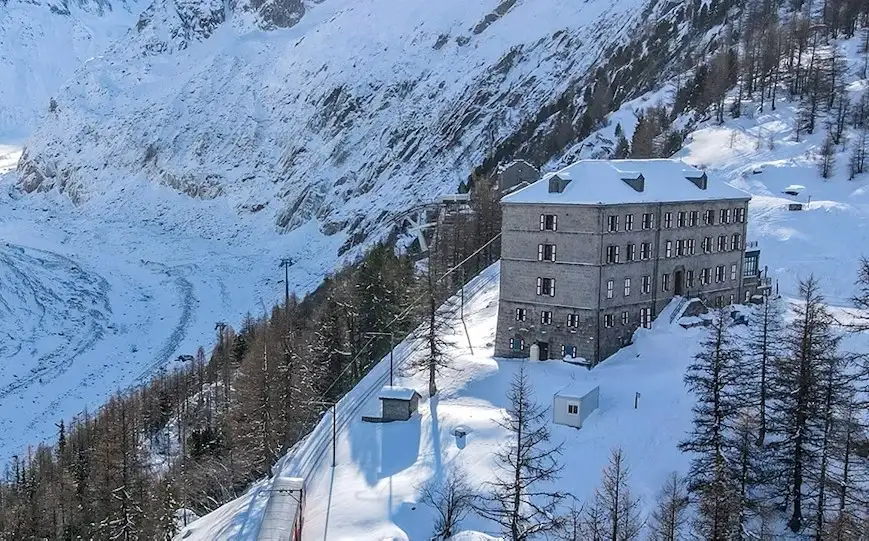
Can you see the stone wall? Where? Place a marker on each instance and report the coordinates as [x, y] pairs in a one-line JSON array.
[[581, 273]]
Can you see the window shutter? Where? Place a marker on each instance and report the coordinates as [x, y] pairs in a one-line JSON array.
[[554, 222], [553, 252], [539, 286], [542, 217], [512, 343], [552, 287], [539, 252]]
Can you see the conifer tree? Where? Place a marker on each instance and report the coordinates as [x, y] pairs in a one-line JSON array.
[[763, 346], [669, 518], [713, 379], [797, 414], [518, 500]]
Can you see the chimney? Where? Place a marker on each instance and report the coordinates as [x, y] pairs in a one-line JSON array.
[[700, 181], [635, 181], [557, 184]]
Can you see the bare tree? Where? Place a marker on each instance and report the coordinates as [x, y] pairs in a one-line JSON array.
[[451, 497], [621, 508], [518, 500], [668, 521]]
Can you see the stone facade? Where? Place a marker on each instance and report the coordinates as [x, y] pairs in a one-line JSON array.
[[599, 298], [394, 409]]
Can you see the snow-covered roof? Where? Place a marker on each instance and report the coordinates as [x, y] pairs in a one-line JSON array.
[[396, 393], [505, 166], [577, 391], [288, 483], [594, 182]]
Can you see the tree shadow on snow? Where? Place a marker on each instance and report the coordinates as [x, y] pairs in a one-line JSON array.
[[383, 450]]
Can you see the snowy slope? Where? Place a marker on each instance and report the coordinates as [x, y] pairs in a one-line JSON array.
[[92, 301], [374, 490], [358, 110], [42, 43]]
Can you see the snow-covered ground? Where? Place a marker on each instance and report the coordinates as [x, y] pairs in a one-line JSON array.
[[95, 298], [42, 43], [373, 491]]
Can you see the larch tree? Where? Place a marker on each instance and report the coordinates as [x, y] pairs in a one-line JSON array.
[[712, 377], [797, 415], [519, 501], [669, 519], [620, 509], [766, 325]]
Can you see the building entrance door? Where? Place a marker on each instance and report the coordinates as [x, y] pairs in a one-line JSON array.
[[679, 279], [544, 350]]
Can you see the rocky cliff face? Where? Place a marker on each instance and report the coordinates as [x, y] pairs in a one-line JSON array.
[[345, 111]]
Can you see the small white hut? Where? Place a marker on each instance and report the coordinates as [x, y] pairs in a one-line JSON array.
[[573, 404]]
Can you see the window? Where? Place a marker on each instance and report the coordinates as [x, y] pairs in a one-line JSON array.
[[627, 287], [689, 279], [722, 243], [739, 214], [573, 409], [546, 286], [725, 219], [707, 245], [646, 250], [705, 276], [719, 301], [691, 246], [736, 241], [647, 284], [668, 220], [630, 252], [520, 314], [608, 321], [646, 317], [682, 219], [548, 222], [665, 282], [546, 317], [648, 220], [517, 344], [668, 251], [695, 217], [625, 317], [733, 272], [680, 248], [545, 252], [749, 267], [719, 273], [568, 350], [609, 289], [612, 224], [629, 222], [709, 217], [572, 320], [731, 298], [612, 254]]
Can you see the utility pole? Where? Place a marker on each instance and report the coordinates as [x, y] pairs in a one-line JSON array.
[[285, 263], [391, 349]]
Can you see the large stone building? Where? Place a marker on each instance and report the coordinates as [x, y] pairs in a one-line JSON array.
[[596, 250]]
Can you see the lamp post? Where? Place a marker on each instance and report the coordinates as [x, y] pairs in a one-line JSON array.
[[391, 349]]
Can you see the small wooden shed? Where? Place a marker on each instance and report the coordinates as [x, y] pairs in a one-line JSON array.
[[572, 405], [398, 403]]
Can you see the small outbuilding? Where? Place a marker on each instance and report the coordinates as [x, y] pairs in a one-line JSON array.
[[573, 404], [398, 403]]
